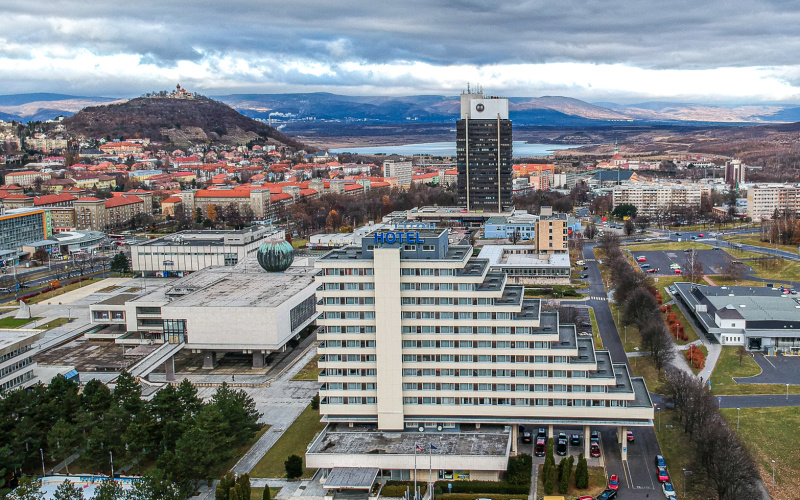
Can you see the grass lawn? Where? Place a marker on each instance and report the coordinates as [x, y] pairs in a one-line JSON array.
[[728, 366], [756, 242], [310, 371], [667, 245], [597, 483], [53, 324], [293, 442], [676, 449], [777, 269], [598, 340], [258, 493], [60, 291], [299, 243], [719, 280], [767, 434], [16, 323], [687, 326], [553, 291], [644, 366]]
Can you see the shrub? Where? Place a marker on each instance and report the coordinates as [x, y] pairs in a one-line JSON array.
[[481, 487], [582, 473]]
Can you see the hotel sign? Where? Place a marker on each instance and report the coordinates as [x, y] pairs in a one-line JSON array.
[[398, 237]]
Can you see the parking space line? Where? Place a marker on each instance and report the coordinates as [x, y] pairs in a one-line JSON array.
[[627, 473], [766, 358]]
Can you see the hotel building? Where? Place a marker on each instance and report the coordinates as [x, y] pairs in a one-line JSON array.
[[419, 336]]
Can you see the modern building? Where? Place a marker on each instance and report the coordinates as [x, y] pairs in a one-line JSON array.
[[552, 232], [188, 251], [241, 309], [764, 200], [524, 264], [759, 318], [735, 173], [521, 223], [68, 243], [422, 342], [655, 198], [402, 170], [22, 226], [484, 153], [16, 359]]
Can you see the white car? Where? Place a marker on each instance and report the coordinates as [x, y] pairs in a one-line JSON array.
[[669, 490]]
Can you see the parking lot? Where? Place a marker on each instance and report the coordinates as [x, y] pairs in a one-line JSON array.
[[712, 260]]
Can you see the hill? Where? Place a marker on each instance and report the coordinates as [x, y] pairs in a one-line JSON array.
[[180, 122]]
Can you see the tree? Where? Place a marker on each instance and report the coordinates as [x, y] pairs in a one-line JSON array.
[[741, 352], [590, 231], [109, 490], [293, 466], [211, 213], [582, 473], [333, 221], [68, 491], [624, 210], [41, 255], [239, 413], [266, 495], [629, 227], [155, 485], [120, 264], [225, 484], [128, 394], [28, 489], [62, 440]]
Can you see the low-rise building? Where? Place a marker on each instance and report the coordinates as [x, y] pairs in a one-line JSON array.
[[24, 225], [524, 264], [16, 359], [189, 251]]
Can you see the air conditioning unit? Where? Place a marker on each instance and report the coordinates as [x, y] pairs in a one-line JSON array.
[[421, 428], [439, 427]]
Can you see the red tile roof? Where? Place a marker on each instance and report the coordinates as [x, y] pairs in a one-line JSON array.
[[280, 197], [119, 201], [52, 198], [173, 199]]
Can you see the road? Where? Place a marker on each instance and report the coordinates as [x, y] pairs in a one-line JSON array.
[[637, 474]]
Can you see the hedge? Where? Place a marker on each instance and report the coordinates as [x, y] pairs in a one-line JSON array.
[[398, 488], [484, 487], [474, 496]]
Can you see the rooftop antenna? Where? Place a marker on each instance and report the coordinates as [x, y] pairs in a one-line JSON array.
[[468, 88]]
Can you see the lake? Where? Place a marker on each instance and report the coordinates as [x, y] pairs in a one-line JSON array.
[[521, 149]]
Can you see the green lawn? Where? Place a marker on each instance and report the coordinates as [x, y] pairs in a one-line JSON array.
[[756, 242], [310, 371], [677, 451], [258, 493], [597, 483], [769, 434], [298, 243], [10, 322], [598, 340], [644, 366], [293, 442], [553, 291], [667, 245], [53, 324], [728, 366]]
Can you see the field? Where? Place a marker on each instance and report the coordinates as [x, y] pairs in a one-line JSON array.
[[729, 366], [767, 434], [293, 442], [258, 493]]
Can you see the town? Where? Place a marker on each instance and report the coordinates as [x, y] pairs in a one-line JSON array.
[[259, 320]]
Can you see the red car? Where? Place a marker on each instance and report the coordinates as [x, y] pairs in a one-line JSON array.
[[641, 258], [585, 498], [613, 482], [678, 271], [594, 450], [663, 477], [630, 436], [652, 270], [700, 235]]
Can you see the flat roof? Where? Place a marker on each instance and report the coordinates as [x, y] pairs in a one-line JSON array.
[[502, 256], [355, 478], [13, 339]]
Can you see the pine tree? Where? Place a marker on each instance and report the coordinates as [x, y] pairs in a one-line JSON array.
[[293, 466], [564, 472], [109, 490], [267, 494], [28, 489], [582, 473], [67, 491]]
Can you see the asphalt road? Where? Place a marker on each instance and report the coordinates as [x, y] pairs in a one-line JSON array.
[[637, 475]]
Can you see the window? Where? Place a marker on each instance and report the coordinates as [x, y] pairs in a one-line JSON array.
[[428, 248]]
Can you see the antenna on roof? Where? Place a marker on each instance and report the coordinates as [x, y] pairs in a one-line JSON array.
[[468, 88]]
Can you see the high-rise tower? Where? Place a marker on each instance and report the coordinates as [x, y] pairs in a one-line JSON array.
[[484, 151]]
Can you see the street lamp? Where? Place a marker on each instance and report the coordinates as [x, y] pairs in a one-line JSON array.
[[773, 474], [685, 473], [42, 454], [787, 392], [111, 454], [737, 419]]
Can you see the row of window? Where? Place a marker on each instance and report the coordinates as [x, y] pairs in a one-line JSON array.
[[359, 400], [459, 316], [427, 272], [348, 286], [350, 315], [486, 330], [442, 287], [472, 358], [16, 381], [447, 301], [15, 352], [349, 329], [460, 372], [349, 301], [480, 344], [359, 271], [432, 386], [348, 343], [350, 358], [15, 366]]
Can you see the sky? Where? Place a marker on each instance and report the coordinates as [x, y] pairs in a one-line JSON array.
[[737, 51]]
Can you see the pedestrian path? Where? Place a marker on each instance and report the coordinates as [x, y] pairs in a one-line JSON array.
[[597, 297]]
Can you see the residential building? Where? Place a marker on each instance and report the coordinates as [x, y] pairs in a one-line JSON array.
[[764, 200], [189, 251], [552, 233], [402, 170], [521, 224], [103, 214], [652, 199], [21, 226], [484, 153], [759, 318], [419, 340], [25, 178]]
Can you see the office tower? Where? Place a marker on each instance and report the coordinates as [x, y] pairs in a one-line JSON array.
[[484, 151]]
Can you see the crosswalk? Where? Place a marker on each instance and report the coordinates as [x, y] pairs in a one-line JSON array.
[[591, 260], [595, 297]]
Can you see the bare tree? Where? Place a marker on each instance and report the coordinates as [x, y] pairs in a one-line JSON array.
[[629, 227], [639, 308], [694, 266], [590, 231]]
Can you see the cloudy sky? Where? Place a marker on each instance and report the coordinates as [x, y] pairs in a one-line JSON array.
[[735, 51]]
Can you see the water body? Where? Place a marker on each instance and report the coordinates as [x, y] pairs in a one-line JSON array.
[[521, 149]]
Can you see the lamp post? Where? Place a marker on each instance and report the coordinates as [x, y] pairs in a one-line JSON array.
[[773, 474], [42, 454], [737, 419], [111, 454], [685, 473], [787, 392]]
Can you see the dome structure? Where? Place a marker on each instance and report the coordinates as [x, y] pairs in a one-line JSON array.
[[275, 256]]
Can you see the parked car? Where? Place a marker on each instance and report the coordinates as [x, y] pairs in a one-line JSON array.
[[561, 444], [580, 262], [595, 436], [584, 276], [663, 475], [652, 270], [613, 482], [678, 234], [641, 258], [630, 436], [645, 266], [575, 440], [669, 490], [594, 450], [541, 447], [694, 237], [527, 437], [677, 271], [700, 235], [542, 433], [660, 461], [607, 495]]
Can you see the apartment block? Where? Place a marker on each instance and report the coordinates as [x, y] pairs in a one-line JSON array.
[[402, 170], [16, 359], [419, 336], [651, 199], [763, 200]]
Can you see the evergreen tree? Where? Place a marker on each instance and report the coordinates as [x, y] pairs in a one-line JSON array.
[[120, 264], [224, 486], [109, 490], [244, 480], [128, 394], [68, 491], [266, 495], [564, 473], [239, 413], [28, 489], [62, 441], [62, 399], [293, 466], [190, 403], [582, 473], [232, 494]]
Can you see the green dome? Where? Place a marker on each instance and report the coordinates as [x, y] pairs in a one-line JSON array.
[[275, 256]]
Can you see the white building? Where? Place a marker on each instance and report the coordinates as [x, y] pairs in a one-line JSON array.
[[189, 251], [16, 359], [524, 264], [400, 169], [652, 199], [763, 200], [419, 336]]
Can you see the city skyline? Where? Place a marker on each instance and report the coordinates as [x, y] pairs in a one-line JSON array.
[[614, 51]]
